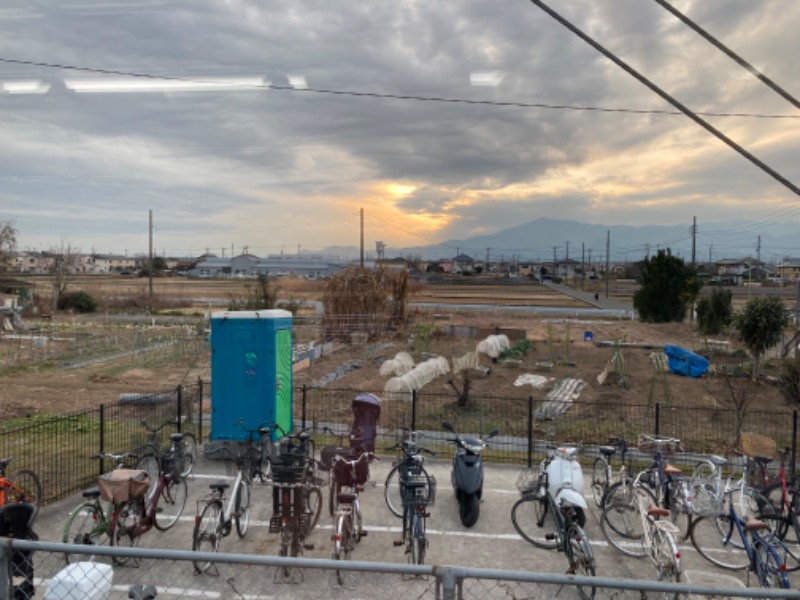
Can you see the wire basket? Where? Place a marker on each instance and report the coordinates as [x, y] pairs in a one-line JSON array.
[[528, 480], [706, 502], [421, 489]]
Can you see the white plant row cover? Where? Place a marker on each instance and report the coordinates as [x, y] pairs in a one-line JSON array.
[[401, 364], [493, 345], [400, 388], [468, 361], [537, 381]]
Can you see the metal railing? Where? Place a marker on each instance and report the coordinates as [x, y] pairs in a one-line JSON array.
[[248, 576]]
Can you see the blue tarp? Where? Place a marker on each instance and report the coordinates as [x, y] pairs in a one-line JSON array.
[[685, 362]]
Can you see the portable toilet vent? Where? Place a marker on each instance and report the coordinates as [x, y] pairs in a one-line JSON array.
[[251, 372]]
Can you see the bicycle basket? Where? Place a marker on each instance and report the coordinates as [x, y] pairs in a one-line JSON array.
[[122, 485], [705, 501], [528, 480], [171, 465], [421, 489], [343, 473]]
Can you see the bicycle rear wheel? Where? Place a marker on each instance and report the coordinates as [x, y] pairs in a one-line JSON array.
[[582, 558], [85, 526], [621, 522], [342, 543], [27, 488], [599, 480], [534, 521], [241, 511], [171, 503], [187, 449], [713, 538], [150, 464], [207, 534]]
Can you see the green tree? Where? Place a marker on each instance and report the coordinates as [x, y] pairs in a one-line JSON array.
[[760, 326], [668, 285], [80, 302], [263, 295], [715, 312], [8, 244]]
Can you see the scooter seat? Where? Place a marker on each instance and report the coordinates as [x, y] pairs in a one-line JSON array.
[[607, 450]]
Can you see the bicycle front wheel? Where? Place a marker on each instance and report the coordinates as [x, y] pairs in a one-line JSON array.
[[667, 560], [768, 566], [149, 464], [26, 487], [241, 514], [393, 488], [187, 450], [535, 522], [312, 506], [85, 526], [418, 541], [207, 534], [621, 522], [342, 544], [599, 480], [713, 538], [128, 515], [170, 504]]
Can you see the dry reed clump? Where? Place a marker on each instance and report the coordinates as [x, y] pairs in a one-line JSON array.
[[358, 300]]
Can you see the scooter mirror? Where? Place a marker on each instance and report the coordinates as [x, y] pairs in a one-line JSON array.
[[447, 426]]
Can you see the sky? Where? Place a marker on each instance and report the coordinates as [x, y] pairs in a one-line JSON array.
[[269, 126]]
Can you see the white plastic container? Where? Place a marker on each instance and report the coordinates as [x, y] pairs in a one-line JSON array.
[[81, 581]]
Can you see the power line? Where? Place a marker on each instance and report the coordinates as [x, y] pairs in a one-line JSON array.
[[688, 112], [384, 96]]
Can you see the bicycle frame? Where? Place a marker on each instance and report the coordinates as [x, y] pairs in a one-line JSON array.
[[649, 523]]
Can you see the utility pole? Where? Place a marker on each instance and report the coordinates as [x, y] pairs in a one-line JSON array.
[[150, 270], [567, 250], [608, 258], [694, 239], [554, 260], [362, 238], [583, 264]]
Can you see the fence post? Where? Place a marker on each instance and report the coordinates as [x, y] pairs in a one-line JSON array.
[[5, 572], [793, 466], [200, 410], [303, 407], [658, 418], [530, 431], [179, 395], [413, 410], [102, 437]]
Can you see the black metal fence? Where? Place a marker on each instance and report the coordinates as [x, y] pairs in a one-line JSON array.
[[58, 447]]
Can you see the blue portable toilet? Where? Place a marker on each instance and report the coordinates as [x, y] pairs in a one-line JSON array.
[[251, 372]]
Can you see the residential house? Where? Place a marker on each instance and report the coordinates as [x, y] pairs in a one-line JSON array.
[[789, 268], [739, 270]]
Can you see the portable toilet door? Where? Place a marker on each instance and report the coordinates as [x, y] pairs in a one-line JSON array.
[[251, 372]]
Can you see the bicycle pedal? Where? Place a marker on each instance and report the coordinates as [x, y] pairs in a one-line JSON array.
[[550, 536], [397, 542], [308, 546], [427, 514], [363, 533]]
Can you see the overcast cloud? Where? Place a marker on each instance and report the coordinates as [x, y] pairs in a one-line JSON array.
[[243, 164]]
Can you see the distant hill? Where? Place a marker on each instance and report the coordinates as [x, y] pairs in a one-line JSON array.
[[539, 239]]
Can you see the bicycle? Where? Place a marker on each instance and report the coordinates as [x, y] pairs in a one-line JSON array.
[[160, 506], [297, 497], [23, 485], [350, 476], [94, 522], [418, 494], [670, 488], [758, 550], [603, 476], [216, 517], [183, 446], [410, 463], [561, 524], [651, 537]]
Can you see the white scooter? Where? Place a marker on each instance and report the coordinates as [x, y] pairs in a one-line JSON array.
[[565, 481]]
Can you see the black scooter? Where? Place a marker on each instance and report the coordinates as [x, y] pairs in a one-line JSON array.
[[467, 474]]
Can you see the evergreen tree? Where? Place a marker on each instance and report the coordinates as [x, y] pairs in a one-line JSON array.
[[668, 286]]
